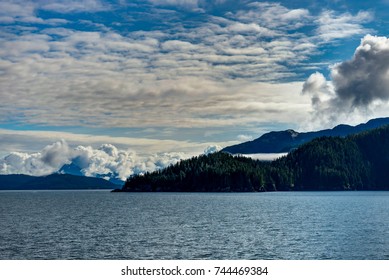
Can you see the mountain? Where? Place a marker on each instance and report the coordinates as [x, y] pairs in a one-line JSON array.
[[52, 182], [285, 141], [73, 169], [355, 162]]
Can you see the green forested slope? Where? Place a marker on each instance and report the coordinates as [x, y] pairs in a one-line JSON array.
[[356, 162]]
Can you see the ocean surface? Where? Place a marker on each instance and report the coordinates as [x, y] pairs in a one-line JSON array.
[[104, 225]]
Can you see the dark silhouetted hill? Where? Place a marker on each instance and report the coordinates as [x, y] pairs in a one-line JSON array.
[[52, 182]]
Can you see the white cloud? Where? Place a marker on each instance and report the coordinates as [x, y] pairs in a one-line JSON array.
[[73, 6], [336, 26], [242, 28], [105, 160], [212, 149], [177, 45], [264, 157], [16, 10], [49, 160], [275, 16], [244, 138], [23, 163], [187, 4], [315, 82], [25, 11]]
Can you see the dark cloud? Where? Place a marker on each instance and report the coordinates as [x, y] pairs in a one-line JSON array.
[[356, 85], [365, 78], [55, 155]]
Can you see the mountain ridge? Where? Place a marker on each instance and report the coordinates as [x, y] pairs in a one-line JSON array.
[[52, 182], [74, 169], [287, 140]]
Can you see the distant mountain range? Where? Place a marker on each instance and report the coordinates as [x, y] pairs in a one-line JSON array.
[[70, 176], [287, 140], [52, 182]]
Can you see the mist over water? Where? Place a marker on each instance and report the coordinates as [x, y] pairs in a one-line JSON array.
[[103, 225]]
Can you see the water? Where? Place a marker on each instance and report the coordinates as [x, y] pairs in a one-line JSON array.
[[103, 225]]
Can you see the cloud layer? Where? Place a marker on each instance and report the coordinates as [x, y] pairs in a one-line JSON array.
[[149, 66], [107, 160]]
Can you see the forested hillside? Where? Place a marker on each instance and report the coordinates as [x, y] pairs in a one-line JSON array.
[[356, 162]]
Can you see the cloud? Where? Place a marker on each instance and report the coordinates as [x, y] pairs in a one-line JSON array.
[[148, 82], [207, 72], [336, 26], [187, 4], [49, 160], [275, 16], [212, 149], [11, 11], [264, 157], [25, 11], [23, 163], [244, 138], [318, 88], [31, 141], [356, 86], [105, 160], [73, 6], [365, 78], [316, 82], [55, 155], [243, 28]]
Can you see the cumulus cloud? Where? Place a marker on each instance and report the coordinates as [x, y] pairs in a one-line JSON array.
[[107, 160], [55, 155], [318, 88], [49, 160], [356, 85], [23, 163], [365, 78]]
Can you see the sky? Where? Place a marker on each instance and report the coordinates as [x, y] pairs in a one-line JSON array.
[[161, 80]]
